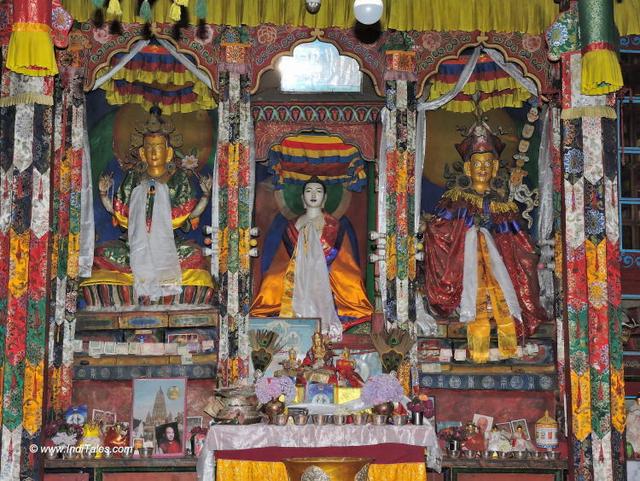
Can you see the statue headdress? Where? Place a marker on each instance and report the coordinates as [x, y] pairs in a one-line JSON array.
[[155, 124], [479, 138]]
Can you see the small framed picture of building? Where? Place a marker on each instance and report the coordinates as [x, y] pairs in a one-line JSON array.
[[158, 414]]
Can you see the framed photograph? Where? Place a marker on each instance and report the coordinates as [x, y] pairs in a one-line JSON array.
[[295, 333], [158, 414], [319, 393], [484, 423], [168, 440], [193, 422], [522, 423], [632, 434], [505, 428], [109, 418]]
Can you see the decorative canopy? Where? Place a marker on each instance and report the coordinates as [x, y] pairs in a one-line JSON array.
[[155, 77], [496, 87], [532, 16], [298, 158]]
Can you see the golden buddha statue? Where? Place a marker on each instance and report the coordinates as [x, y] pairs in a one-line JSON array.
[[314, 273], [154, 199], [317, 363], [478, 258]]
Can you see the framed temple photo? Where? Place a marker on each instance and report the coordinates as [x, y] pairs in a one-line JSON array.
[[158, 414], [294, 333]]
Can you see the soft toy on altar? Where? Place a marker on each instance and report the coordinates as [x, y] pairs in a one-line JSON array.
[[92, 439]]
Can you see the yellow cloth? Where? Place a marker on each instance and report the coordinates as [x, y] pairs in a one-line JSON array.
[[344, 276], [31, 50], [490, 294], [190, 277], [534, 16], [228, 469]]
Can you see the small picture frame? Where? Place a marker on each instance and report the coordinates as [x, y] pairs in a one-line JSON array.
[[516, 423], [505, 428], [483, 423], [198, 442], [168, 440], [158, 414], [193, 422], [97, 416], [319, 393]]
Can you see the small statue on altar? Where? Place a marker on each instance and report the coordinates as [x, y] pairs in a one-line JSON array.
[[154, 199], [497, 440], [520, 442], [290, 366], [318, 362], [479, 260], [314, 272], [346, 370]]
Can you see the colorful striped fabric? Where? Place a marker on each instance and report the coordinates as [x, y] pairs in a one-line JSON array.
[[496, 87], [298, 158], [155, 77]]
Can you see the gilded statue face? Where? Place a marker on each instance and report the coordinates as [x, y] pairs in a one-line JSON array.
[[481, 167], [313, 195], [156, 153]]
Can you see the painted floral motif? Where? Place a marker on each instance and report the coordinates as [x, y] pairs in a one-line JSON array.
[[431, 40], [531, 43], [190, 162], [266, 34], [557, 35], [101, 35], [573, 161]]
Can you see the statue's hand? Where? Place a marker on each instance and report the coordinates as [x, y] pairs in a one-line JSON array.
[[206, 182], [105, 182]]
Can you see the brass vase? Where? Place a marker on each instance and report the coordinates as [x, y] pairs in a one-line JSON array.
[[327, 469], [273, 408], [383, 408]]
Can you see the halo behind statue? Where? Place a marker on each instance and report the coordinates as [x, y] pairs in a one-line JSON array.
[[289, 200]]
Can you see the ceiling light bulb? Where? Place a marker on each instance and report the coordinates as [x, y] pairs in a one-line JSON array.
[[312, 5], [367, 12]]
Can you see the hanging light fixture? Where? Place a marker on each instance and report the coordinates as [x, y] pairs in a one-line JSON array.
[[367, 12], [312, 5]]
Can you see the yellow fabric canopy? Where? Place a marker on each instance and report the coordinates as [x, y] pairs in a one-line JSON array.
[[532, 16], [501, 15]]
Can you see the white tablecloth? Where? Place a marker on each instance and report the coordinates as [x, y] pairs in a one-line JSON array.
[[230, 437]]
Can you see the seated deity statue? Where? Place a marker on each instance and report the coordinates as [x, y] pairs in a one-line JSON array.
[[314, 272], [151, 263], [318, 362], [479, 260]]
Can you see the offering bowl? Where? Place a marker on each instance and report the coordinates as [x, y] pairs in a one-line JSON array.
[[399, 419], [339, 419], [280, 419], [300, 419], [360, 418], [379, 419], [320, 419]]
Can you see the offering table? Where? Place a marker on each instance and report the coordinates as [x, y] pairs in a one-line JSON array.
[[254, 452]]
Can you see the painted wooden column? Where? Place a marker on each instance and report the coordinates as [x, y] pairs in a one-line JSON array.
[[396, 190], [232, 212]]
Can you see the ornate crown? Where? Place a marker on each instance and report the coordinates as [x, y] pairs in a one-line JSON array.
[[479, 137], [154, 125]]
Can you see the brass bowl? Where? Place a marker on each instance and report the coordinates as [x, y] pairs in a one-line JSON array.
[[320, 419], [300, 419], [520, 454], [339, 419], [337, 469], [399, 419], [379, 419], [360, 418], [280, 419]]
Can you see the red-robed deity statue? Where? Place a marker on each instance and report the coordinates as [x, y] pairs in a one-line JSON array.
[[479, 259]]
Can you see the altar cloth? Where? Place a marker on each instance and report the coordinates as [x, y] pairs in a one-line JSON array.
[[234, 437]]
